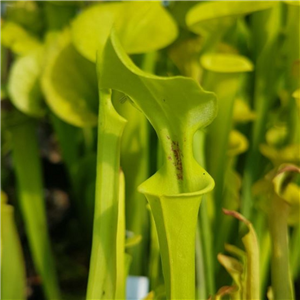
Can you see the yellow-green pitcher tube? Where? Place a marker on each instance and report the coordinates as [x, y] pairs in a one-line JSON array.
[[176, 107], [176, 218], [281, 285], [103, 266]]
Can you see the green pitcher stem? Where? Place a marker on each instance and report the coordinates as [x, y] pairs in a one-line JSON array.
[[204, 223], [201, 276], [221, 127], [121, 259], [68, 144], [30, 187], [264, 262], [137, 213], [252, 173], [266, 81], [280, 269], [154, 258], [102, 275], [88, 139], [295, 254], [177, 242], [13, 274]]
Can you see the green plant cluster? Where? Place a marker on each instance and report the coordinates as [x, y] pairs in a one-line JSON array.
[[177, 125]]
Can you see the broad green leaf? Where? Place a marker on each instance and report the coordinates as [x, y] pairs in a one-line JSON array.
[[17, 38], [139, 35], [69, 83], [13, 277], [136, 22], [24, 85], [210, 11], [91, 28], [176, 107]]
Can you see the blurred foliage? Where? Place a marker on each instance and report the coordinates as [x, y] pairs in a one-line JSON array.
[[245, 52]]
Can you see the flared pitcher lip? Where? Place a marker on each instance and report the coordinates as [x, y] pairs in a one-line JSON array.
[[209, 187]]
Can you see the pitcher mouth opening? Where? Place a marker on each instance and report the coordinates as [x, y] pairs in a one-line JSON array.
[[144, 189]]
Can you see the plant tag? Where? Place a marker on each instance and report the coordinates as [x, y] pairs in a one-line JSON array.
[[137, 287]]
